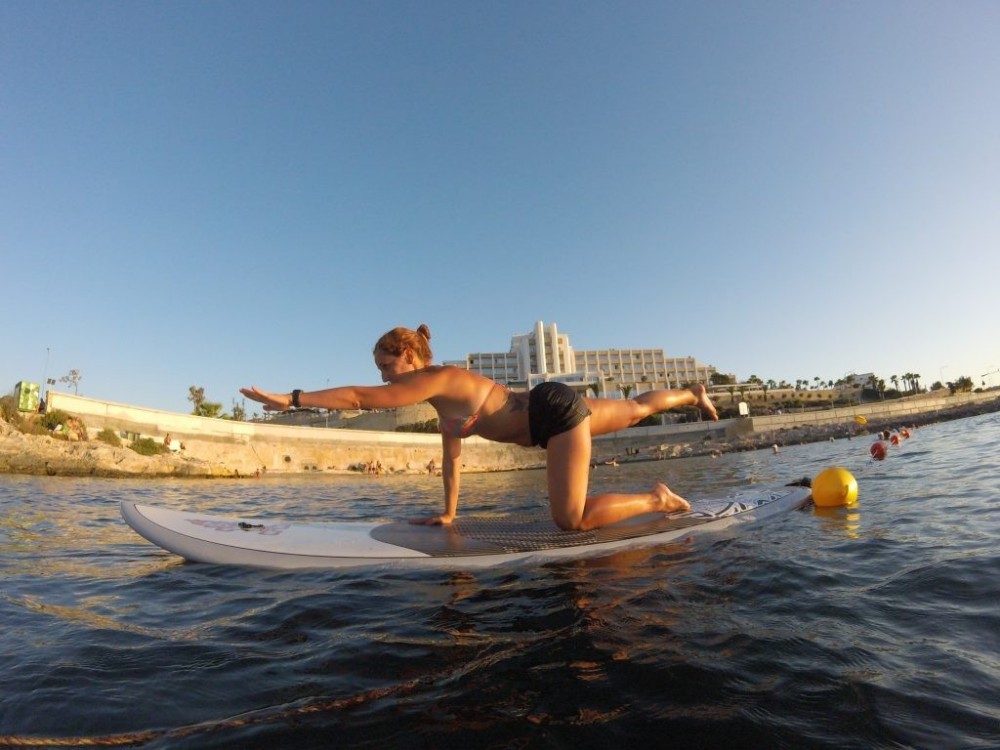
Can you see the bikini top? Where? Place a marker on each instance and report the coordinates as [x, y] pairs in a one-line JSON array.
[[463, 427]]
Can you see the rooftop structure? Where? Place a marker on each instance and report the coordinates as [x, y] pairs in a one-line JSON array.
[[545, 354]]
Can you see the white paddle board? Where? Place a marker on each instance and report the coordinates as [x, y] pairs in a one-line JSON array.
[[468, 542]]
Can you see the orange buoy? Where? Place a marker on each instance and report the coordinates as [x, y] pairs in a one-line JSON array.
[[878, 451]]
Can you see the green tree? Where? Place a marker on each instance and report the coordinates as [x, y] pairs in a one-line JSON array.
[[210, 409], [239, 412], [963, 384], [203, 408], [196, 396]]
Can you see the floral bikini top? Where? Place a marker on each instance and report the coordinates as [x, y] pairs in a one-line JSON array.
[[463, 427]]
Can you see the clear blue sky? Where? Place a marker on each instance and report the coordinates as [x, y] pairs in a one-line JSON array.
[[227, 193]]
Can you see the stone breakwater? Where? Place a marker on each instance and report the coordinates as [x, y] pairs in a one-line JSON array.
[[44, 455]]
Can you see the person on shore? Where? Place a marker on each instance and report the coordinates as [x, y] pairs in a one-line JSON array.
[[552, 415]]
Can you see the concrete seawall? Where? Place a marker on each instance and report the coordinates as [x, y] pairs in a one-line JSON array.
[[248, 447]]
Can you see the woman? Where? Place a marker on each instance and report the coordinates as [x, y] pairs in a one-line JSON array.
[[552, 416]]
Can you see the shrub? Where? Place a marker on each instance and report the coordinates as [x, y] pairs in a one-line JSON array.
[[8, 408], [109, 436], [148, 447], [53, 418]]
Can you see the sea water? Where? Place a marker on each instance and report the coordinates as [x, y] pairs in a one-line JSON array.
[[876, 626]]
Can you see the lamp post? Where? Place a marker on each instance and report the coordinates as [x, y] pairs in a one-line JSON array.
[[45, 372]]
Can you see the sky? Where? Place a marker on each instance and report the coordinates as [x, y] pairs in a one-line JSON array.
[[232, 193]]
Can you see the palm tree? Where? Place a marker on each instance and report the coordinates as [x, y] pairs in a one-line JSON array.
[[872, 383], [196, 396], [895, 381], [770, 384]]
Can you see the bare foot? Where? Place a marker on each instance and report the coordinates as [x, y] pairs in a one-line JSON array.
[[703, 402], [670, 501]]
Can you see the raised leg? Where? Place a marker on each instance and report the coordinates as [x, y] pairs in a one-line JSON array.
[[611, 415]]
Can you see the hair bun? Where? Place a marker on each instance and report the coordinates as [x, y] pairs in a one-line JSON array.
[[424, 331]]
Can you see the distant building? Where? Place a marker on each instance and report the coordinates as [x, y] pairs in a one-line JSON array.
[[545, 354], [854, 381]]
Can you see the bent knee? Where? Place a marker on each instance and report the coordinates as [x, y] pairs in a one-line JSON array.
[[568, 521]]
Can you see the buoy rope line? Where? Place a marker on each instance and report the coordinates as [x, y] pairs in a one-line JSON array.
[[835, 486]]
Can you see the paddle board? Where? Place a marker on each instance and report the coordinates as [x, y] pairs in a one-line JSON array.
[[468, 542]]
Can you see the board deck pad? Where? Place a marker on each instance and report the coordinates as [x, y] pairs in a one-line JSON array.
[[533, 531]]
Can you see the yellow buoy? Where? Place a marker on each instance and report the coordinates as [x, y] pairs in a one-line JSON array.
[[860, 420], [834, 487]]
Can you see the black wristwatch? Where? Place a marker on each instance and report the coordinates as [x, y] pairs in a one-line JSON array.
[[295, 398]]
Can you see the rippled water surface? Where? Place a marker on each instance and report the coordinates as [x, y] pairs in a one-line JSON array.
[[874, 627]]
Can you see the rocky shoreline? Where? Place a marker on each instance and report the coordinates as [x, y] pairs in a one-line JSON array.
[[874, 426], [43, 455]]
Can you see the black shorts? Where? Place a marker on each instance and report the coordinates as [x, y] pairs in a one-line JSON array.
[[554, 408]]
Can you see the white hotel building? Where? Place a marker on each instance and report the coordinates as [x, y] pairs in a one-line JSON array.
[[545, 354]]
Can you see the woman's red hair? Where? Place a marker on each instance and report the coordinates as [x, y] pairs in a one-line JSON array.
[[400, 339]]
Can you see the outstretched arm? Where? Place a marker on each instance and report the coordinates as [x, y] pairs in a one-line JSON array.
[[409, 390], [451, 472]]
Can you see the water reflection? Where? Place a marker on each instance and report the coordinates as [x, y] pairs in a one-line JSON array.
[[844, 520]]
